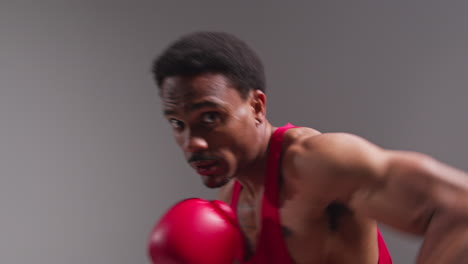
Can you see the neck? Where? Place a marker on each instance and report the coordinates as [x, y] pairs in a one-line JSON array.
[[252, 177]]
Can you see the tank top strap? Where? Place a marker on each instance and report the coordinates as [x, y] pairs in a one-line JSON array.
[[271, 234], [271, 194], [275, 147], [384, 255], [270, 237]]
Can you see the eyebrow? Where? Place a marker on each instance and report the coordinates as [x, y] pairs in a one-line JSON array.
[[168, 112], [203, 104], [196, 106]]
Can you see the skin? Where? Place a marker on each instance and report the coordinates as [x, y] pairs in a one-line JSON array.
[[334, 186]]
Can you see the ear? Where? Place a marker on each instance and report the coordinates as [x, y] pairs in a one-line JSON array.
[[258, 103]]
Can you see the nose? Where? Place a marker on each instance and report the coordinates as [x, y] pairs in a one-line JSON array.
[[194, 143]]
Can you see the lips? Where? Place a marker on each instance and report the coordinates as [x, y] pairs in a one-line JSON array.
[[205, 167]]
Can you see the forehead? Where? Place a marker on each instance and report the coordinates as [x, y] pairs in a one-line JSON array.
[[180, 91]]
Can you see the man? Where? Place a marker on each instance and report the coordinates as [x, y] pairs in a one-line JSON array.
[[301, 196]]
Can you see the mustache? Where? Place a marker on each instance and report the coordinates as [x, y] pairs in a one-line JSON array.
[[200, 157]]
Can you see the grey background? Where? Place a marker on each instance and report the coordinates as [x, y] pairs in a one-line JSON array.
[[87, 162]]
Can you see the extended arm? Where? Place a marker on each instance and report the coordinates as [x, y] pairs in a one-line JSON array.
[[409, 191]]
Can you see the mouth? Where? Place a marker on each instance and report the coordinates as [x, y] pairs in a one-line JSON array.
[[206, 167]]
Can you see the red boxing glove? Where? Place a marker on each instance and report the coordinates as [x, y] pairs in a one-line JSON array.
[[196, 231]]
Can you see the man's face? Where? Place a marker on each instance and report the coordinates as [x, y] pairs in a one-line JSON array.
[[212, 123]]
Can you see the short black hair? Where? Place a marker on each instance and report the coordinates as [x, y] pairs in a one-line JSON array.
[[212, 52]]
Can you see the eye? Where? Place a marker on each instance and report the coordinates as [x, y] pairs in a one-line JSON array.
[[176, 124], [210, 117]]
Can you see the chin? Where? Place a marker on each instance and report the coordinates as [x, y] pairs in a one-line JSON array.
[[213, 182]]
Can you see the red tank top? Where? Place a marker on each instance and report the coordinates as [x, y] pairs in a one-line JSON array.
[[271, 247]]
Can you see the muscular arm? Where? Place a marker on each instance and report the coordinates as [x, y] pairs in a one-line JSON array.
[[408, 191]]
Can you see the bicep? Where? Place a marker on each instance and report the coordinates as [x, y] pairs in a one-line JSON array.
[[415, 187], [402, 199], [393, 187]]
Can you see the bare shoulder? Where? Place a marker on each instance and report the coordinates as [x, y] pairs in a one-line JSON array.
[[331, 165], [333, 149], [225, 192], [310, 138], [295, 135]]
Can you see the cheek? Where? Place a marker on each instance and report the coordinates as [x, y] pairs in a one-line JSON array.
[[177, 138], [242, 114], [242, 121], [240, 140]]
